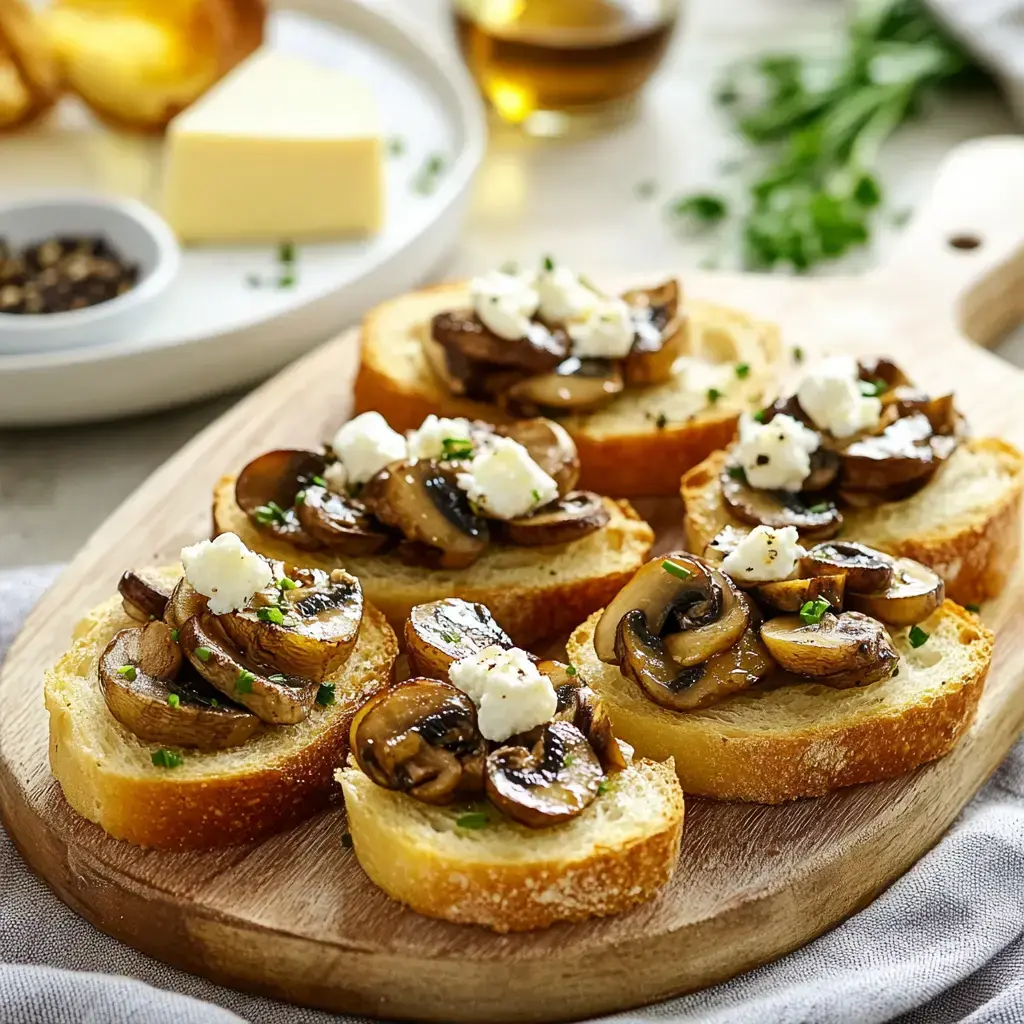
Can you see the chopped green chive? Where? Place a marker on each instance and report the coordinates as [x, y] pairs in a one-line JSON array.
[[917, 637], [535, 494], [286, 252], [203, 653], [214, 703], [714, 395], [736, 472], [175, 634], [973, 608], [701, 209], [426, 178], [269, 513], [163, 758], [570, 670], [456, 448], [602, 787], [395, 146], [346, 840], [450, 638], [325, 695], [761, 415], [473, 820], [798, 355], [812, 612], [278, 677], [320, 482], [243, 684], [675, 570], [822, 506], [548, 263], [743, 370], [300, 497], [286, 583], [568, 760], [872, 388], [128, 671], [174, 700], [271, 614]]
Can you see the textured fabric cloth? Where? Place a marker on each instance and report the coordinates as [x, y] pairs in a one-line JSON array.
[[944, 944]]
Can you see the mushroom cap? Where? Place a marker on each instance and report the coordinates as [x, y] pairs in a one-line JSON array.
[[569, 518], [271, 481], [340, 523], [913, 593], [439, 633]]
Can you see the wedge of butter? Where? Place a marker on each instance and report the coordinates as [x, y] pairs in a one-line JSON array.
[[280, 149]]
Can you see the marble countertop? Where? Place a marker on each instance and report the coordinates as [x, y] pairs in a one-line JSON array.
[[57, 486]]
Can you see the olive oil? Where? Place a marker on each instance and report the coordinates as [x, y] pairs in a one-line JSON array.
[[554, 66]]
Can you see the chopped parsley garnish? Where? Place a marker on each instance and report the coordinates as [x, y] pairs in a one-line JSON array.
[[535, 494], [798, 355], [812, 612], [286, 583], [286, 252], [714, 395], [761, 415], [473, 820], [548, 263], [203, 653], [676, 570], [269, 513], [700, 210], [346, 840], [325, 695], [568, 760], [174, 700], [917, 637], [822, 506], [570, 670], [873, 388], [737, 473], [175, 633], [271, 614], [128, 671], [973, 608], [395, 146], [645, 189], [320, 482], [742, 370], [456, 448], [602, 787], [164, 758], [278, 677], [426, 179], [300, 497], [214, 703], [243, 684]]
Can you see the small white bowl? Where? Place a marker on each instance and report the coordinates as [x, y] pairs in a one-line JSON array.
[[138, 234]]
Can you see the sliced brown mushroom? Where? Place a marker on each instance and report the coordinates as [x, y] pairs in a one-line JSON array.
[[575, 385], [906, 451], [551, 782], [144, 594], [421, 737], [940, 411], [184, 602], [825, 465], [580, 705], [884, 370], [686, 589], [691, 646], [662, 334], [662, 301], [440, 632], [462, 330], [177, 709], [421, 499], [567, 519], [272, 695], [265, 491], [867, 571], [550, 446], [778, 509], [912, 595], [340, 523], [843, 650], [306, 627], [643, 658], [462, 376], [792, 595]]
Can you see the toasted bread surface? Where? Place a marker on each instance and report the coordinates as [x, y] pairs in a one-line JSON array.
[[615, 855], [965, 523], [640, 444], [796, 739], [215, 798], [532, 592]]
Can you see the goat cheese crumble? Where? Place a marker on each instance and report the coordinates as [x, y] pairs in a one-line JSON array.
[[365, 445], [504, 303], [225, 571], [505, 482], [831, 396], [509, 691], [428, 442], [765, 555], [606, 332], [775, 456], [563, 296]]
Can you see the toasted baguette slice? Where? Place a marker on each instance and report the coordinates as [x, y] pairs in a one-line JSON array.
[[799, 740], [640, 444], [217, 798], [532, 592], [618, 853], [965, 523]]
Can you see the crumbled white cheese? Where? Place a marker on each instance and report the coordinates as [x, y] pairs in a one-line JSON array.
[[336, 478], [428, 441], [775, 456], [510, 693], [225, 571], [764, 555], [366, 445], [606, 332], [504, 303], [831, 396], [563, 296], [505, 482]]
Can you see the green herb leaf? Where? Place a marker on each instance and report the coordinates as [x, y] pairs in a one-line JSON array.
[[714, 395], [286, 583], [473, 820], [451, 638], [535, 494], [570, 670], [798, 355], [286, 252], [821, 506], [812, 612], [395, 146], [917, 636], [872, 388], [278, 677], [270, 513], [243, 684], [547, 263], [701, 209], [325, 695], [456, 448], [760, 416], [214, 703], [320, 482], [736, 472], [128, 672], [174, 700], [203, 653], [675, 570], [175, 634], [270, 614], [300, 497], [973, 608], [163, 758], [602, 787], [743, 370], [427, 178]]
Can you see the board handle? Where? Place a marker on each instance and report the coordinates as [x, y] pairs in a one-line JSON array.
[[963, 253]]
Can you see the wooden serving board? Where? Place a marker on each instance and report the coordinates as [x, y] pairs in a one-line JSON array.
[[295, 917]]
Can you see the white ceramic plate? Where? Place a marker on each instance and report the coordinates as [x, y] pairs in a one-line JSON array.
[[216, 331]]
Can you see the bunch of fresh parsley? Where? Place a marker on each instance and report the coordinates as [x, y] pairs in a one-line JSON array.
[[824, 122]]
